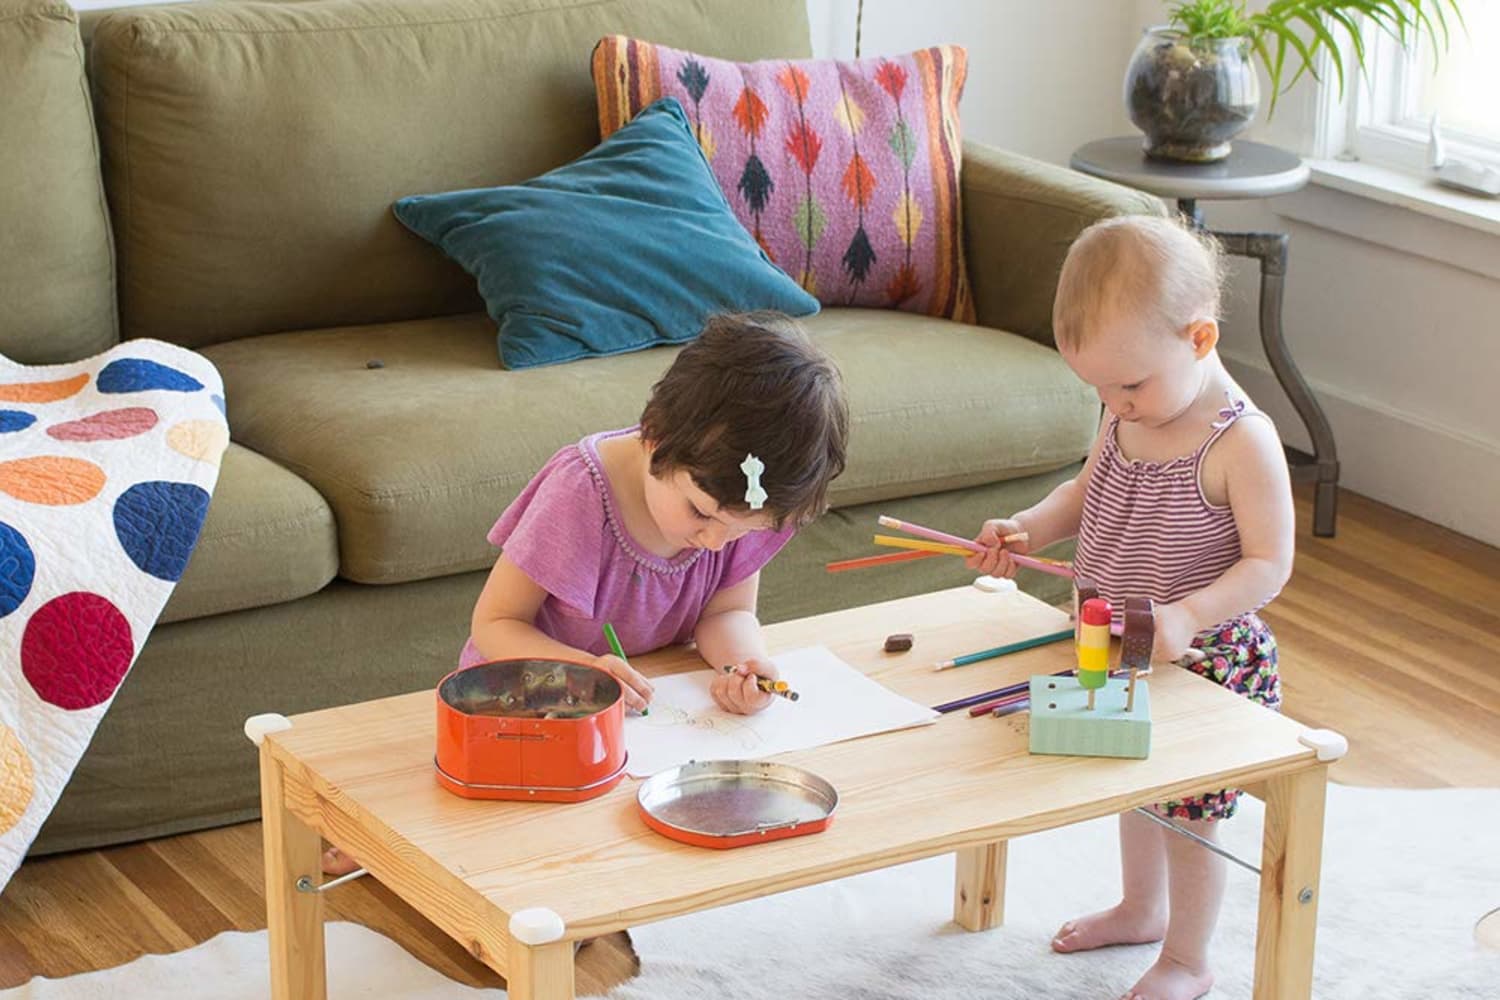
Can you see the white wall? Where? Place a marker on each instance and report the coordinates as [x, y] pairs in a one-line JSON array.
[[1403, 350], [1044, 75]]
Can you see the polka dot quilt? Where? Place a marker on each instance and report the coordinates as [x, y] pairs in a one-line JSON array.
[[106, 467]]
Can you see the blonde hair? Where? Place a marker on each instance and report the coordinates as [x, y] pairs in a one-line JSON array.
[[1143, 266]]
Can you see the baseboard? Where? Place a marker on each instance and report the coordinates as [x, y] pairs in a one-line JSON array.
[[1399, 458]]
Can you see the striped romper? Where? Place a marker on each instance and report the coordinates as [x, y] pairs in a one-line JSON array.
[[1148, 531]]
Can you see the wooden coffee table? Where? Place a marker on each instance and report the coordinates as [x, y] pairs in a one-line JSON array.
[[517, 883]]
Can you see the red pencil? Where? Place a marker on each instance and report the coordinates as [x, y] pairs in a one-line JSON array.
[[990, 706], [880, 560]]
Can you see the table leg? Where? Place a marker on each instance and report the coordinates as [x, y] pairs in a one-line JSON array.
[[979, 887], [294, 919], [540, 972], [1322, 466], [1291, 856]]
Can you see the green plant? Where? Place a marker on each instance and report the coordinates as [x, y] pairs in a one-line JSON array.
[[1303, 27]]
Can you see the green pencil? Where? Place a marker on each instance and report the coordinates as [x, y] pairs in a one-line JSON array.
[[1014, 647], [618, 650]]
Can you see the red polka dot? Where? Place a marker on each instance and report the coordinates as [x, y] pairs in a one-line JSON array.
[[111, 425], [76, 650]]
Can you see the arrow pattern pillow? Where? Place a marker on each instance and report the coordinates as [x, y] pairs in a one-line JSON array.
[[845, 172]]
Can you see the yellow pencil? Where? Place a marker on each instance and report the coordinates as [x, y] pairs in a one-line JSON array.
[[920, 545]]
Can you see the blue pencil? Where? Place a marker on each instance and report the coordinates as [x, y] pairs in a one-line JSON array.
[[1014, 647]]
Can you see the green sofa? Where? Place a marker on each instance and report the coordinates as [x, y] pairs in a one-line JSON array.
[[221, 175]]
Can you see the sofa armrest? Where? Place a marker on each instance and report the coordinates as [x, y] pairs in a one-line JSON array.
[[1020, 216]]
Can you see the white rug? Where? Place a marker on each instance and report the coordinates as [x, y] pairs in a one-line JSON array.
[[1406, 874]]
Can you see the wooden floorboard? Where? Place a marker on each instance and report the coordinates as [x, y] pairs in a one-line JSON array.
[[1389, 633]]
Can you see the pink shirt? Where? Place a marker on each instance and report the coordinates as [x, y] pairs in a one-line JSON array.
[[564, 532], [1148, 531]]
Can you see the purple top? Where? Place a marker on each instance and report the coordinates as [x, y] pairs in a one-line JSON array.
[[564, 532]]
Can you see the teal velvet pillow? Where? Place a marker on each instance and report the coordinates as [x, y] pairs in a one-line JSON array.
[[629, 246]]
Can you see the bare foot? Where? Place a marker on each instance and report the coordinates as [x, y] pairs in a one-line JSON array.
[[336, 862], [1116, 925], [1169, 979]]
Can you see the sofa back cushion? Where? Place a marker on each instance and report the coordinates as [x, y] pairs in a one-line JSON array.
[[56, 274], [252, 151]]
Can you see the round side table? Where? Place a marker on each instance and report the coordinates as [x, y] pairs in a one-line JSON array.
[[1252, 170]]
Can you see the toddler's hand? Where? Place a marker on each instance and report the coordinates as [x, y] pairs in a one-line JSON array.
[[995, 560], [1174, 633], [737, 691], [637, 689]]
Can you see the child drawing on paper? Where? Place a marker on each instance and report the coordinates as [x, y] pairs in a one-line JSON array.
[[1185, 499], [661, 529]]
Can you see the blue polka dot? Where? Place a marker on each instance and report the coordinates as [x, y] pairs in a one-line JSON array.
[[219, 402], [138, 375], [17, 569], [157, 524], [15, 420]]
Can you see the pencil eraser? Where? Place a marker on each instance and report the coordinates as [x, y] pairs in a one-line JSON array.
[[898, 643], [994, 584]]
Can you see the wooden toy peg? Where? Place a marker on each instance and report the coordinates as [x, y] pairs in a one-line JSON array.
[[1137, 641]]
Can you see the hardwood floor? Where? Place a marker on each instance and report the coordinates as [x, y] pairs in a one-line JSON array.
[[1389, 633]]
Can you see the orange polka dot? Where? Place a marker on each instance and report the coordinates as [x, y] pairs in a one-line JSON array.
[[42, 392], [204, 440], [51, 479], [16, 786]]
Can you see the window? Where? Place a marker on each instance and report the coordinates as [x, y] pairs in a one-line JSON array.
[[1388, 110]]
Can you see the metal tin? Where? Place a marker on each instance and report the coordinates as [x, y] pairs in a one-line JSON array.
[[543, 730], [732, 803]]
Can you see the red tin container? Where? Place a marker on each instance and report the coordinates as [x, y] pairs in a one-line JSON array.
[[735, 803], [543, 730]]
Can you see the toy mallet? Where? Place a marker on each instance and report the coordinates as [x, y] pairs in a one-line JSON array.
[[1093, 645]]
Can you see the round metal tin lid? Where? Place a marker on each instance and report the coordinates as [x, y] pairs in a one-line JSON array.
[[731, 798]]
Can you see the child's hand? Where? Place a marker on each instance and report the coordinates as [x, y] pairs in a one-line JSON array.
[[637, 689], [737, 691], [1174, 633], [995, 560]]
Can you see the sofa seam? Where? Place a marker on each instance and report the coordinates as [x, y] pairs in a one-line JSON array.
[[168, 29]]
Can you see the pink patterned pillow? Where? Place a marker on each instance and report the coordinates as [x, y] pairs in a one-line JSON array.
[[845, 172]]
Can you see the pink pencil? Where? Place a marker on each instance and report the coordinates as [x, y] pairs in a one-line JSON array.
[[1043, 566], [936, 536]]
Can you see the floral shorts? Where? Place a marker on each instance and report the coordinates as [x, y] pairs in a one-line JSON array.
[[1240, 655]]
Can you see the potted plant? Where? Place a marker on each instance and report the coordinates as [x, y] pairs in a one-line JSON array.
[[1192, 84]]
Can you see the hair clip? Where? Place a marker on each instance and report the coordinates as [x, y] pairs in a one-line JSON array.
[[752, 467]]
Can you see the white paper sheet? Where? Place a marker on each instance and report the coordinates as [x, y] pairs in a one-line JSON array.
[[837, 702]]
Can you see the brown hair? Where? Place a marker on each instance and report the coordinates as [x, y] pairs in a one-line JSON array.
[[1139, 265], [752, 383]]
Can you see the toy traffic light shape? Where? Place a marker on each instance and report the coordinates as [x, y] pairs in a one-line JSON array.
[[1094, 715]]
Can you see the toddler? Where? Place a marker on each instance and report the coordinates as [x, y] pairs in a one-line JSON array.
[[1184, 498]]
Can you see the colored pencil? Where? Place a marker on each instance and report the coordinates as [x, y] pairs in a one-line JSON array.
[[974, 699], [986, 707], [931, 533], [1019, 705], [864, 562], [1013, 647], [921, 545], [618, 650], [1056, 567], [769, 685]]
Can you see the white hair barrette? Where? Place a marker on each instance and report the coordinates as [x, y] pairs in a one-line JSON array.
[[755, 496]]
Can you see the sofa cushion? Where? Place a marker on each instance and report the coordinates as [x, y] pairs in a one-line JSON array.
[[56, 267], [419, 455], [628, 208], [252, 150], [268, 537], [846, 171]]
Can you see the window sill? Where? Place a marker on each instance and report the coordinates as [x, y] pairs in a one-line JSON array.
[[1399, 210]]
